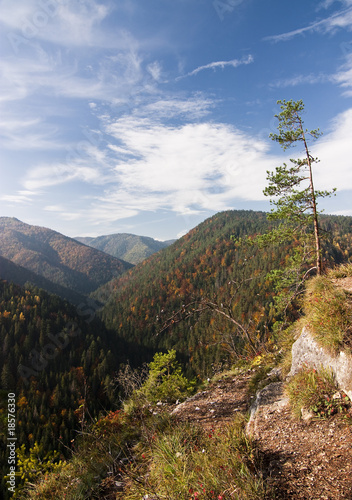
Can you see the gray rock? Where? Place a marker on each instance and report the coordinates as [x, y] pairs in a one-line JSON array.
[[307, 352], [269, 400]]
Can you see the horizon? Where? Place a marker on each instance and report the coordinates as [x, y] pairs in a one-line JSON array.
[[145, 235], [148, 119]]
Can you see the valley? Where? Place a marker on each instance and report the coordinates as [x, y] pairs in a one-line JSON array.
[[61, 355]]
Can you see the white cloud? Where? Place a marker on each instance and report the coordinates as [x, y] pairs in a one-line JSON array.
[[55, 174], [310, 79], [342, 19], [185, 169], [335, 152], [194, 167], [234, 63], [344, 76]]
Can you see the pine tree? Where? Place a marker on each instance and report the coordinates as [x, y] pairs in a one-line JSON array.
[[294, 198]]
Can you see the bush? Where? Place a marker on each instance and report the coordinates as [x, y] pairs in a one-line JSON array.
[[165, 383]]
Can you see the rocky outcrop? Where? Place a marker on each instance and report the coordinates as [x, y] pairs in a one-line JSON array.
[[307, 352], [269, 400]]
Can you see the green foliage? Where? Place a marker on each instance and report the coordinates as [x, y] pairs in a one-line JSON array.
[[329, 406], [165, 383], [308, 388], [328, 312], [33, 464]]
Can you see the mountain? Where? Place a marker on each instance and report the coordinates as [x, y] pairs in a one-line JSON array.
[[57, 258], [17, 274], [207, 265], [128, 247]]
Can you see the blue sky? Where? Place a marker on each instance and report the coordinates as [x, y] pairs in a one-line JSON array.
[[149, 116]]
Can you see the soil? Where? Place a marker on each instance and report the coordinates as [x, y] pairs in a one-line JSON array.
[[218, 404], [300, 459]]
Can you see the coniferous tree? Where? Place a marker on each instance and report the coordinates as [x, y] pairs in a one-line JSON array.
[[294, 197]]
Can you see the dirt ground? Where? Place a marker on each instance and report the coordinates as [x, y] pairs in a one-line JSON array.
[[301, 460]]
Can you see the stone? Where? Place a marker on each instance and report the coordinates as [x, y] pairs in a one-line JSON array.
[[306, 352], [269, 400], [307, 415]]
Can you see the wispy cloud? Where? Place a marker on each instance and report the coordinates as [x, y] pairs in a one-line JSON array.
[[310, 79], [342, 19], [185, 169], [75, 22], [234, 63], [22, 197], [344, 76], [194, 167]]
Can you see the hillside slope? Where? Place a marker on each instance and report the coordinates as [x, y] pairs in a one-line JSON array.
[[57, 359], [206, 263], [128, 247], [56, 257], [20, 276]]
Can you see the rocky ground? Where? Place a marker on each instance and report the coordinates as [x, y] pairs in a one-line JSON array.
[[301, 459]]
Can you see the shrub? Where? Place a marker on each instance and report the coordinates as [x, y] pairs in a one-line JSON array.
[[165, 383]]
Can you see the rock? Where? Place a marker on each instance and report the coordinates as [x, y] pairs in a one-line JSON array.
[[307, 352], [269, 400], [307, 415], [275, 373]]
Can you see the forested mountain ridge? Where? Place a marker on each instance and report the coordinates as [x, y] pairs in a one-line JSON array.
[[59, 361], [14, 273], [128, 247], [57, 258], [206, 264]]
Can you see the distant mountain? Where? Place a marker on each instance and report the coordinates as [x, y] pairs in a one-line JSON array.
[[128, 247], [20, 276], [56, 258]]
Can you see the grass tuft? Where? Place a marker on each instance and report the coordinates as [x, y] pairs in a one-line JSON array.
[[189, 463], [328, 314], [308, 388]]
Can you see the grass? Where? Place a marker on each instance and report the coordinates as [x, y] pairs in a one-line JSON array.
[[308, 388], [328, 312], [189, 463], [158, 458]]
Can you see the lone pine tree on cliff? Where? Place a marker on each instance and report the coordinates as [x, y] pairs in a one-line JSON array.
[[294, 200]]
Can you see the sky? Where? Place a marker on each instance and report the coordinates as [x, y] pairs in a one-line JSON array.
[[148, 116]]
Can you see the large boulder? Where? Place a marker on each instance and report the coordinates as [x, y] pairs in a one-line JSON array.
[[306, 352]]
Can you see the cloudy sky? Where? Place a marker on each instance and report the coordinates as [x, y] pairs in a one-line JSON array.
[[147, 116]]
